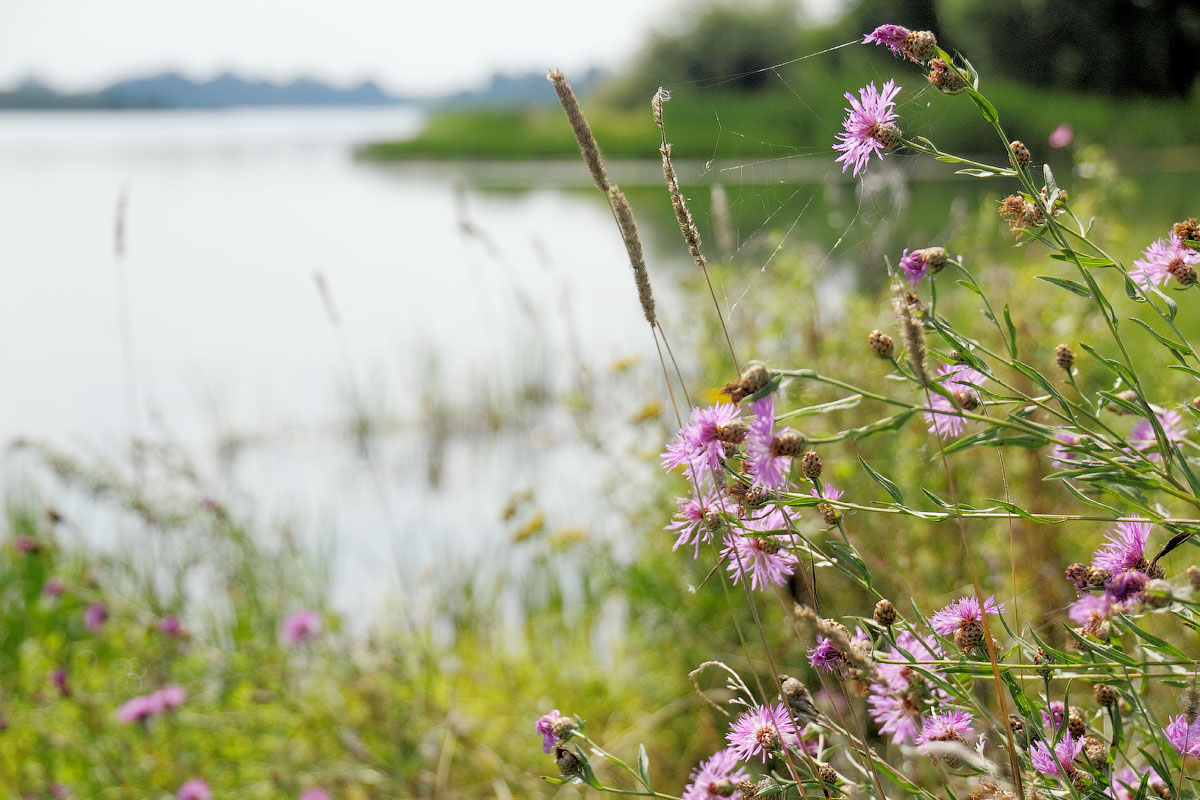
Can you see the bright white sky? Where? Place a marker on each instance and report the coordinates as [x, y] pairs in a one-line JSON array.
[[409, 46]]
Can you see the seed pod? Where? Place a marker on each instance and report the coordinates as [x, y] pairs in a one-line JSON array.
[[885, 613], [920, 45], [1188, 230], [1075, 725], [829, 514], [788, 443], [1064, 357], [1185, 274], [569, 764], [827, 774], [1106, 696], [881, 344]]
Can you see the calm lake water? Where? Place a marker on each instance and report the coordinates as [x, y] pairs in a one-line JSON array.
[[448, 299]]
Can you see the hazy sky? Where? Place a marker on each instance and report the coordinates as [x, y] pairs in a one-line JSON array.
[[410, 46]]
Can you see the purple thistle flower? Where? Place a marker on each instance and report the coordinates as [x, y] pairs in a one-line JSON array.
[[315, 793], [828, 492], [1082, 609], [892, 37], [714, 777], [943, 418], [1124, 548], [26, 545], [54, 587], [1185, 736], [168, 697], [891, 702], [555, 729], [763, 461], [1126, 781], [698, 444], [1142, 437], [763, 730], [913, 265], [693, 521], [135, 709], [950, 726], [763, 558], [59, 678], [1126, 587], [195, 789], [865, 125], [961, 612], [1160, 261], [301, 627], [825, 656], [95, 616], [1065, 752], [171, 626], [1062, 135], [1054, 718]]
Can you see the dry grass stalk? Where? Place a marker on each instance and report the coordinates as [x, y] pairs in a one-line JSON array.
[[911, 333], [633, 245], [583, 132]]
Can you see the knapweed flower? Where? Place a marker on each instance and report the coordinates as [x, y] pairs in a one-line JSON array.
[[763, 558], [697, 518], [1124, 548], [1058, 763], [1185, 736], [1126, 587], [1062, 135], [301, 627], [1126, 781], [136, 709], [26, 545], [54, 587], [892, 37], [898, 691], [701, 443], [315, 793], [963, 612], [1142, 437], [555, 729], [1164, 258], [1053, 719], [768, 456], [172, 626], [59, 678], [921, 263], [95, 616], [1081, 610], [869, 126], [716, 777], [195, 789], [761, 731], [825, 656], [962, 382], [949, 726]]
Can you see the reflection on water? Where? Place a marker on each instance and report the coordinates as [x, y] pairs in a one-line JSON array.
[[456, 311]]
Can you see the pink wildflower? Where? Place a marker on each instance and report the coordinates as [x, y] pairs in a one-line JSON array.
[[1062, 454], [1062, 135], [763, 459], [1053, 719], [195, 789], [950, 726], [315, 793], [1142, 437], [1124, 548], [892, 37], [172, 626], [696, 519], [962, 382], [555, 729], [1065, 752], [54, 587], [715, 777], [701, 443], [962, 612], [1185, 736], [95, 616], [301, 626], [890, 703], [868, 126], [763, 730], [1162, 259], [763, 558]]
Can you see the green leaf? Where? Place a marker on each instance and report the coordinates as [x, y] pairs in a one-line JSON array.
[[988, 110], [976, 173], [1012, 332], [1088, 500], [849, 561], [1068, 284], [1051, 186], [585, 770], [1152, 641], [1087, 262], [890, 487], [1024, 705], [643, 765], [937, 500], [1176, 348]]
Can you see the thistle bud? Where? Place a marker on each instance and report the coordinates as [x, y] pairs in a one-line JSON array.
[[1193, 575], [1188, 230], [827, 774], [1185, 274], [881, 344], [569, 764], [788, 443], [1020, 154], [767, 787], [753, 378], [810, 465], [1097, 577], [887, 135], [934, 258], [944, 79], [731, 432], [722, 788], [968, 399], [1077, 574], [969, 635], [885, 613], [1075, 725], [1064, 357], [1158, 593], [1106, 696], [1019, 731], [920, 45], [829, 514], [1043, 659], [1156, 571], [1095, 751]]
